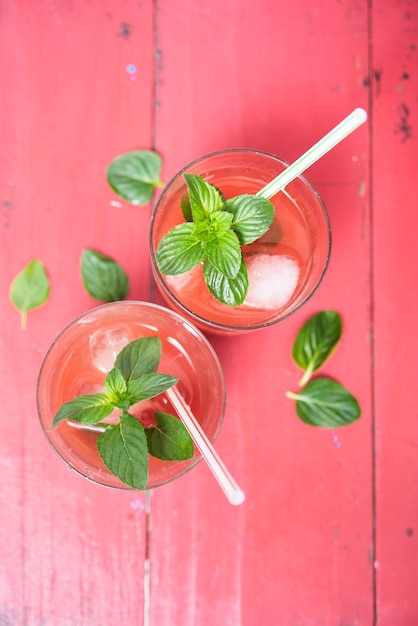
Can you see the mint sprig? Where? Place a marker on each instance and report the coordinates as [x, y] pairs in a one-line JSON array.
[[124, 446], [213, 234]]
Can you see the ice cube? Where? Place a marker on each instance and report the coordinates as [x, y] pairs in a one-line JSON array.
[[106, 344], [272, 280]]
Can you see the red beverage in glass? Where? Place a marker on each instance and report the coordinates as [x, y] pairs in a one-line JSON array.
[[80, 358], [285, 265]]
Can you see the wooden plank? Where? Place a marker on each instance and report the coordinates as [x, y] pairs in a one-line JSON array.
[[273, 76], [395, 100], [76, 85]]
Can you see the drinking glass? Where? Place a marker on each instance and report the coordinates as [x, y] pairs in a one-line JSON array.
[[84, 352], [285, 266]]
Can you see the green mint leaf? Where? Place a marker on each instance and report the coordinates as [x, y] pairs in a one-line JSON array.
[[123, 449], [204, 198], [316, 341], [252, 216], [230, 291], [186, 208], [326, 403], [148, 386], [102, 277], [169, 440], [214, 226], [87, 409], [224, 253], [29, 289], [179, 250], [115, 385], [139, 357], [135, 175]]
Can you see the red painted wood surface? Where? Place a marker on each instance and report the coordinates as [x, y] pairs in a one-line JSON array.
[[328, 533]]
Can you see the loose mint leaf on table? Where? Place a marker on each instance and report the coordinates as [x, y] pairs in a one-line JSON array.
[[180, 250], [169, 440], [139, 357], [326, 403], [103, 278], [252, 216], [87, 409], [213, 234], [123, 448], [30, 289], [228, 291], [316, 341], [135, 175]]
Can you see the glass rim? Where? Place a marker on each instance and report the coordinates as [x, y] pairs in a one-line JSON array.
[[217, 326], [190, 327]]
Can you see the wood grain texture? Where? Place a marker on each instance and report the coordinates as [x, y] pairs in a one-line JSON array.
[[70, 553], [327, 535], [395, 105], [299, 550]]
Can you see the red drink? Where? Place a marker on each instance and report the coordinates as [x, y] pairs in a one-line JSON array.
[[285, 266], [80, 357]]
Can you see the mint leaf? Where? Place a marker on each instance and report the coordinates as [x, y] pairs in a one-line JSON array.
[[230, 291], [179, 250], [326, 403], [224, 253], [148, 386], [252, 216], [139, 357], [204, 198], [135, 175], [115, 385], [186, 208], [214, 232], [169, 440], [87, 409], [316, 341], [123, 449], [103, 278], [29, 289]]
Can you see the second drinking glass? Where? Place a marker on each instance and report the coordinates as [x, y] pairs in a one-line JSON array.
[[285, 266]]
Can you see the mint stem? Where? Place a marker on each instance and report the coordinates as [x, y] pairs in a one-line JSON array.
[[306, 375], [291, 395], [23, 319]]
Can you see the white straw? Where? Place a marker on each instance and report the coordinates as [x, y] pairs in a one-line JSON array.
[[337, 134], [230, 488]]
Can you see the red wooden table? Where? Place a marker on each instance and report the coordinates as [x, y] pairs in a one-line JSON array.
[[328, 533]]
